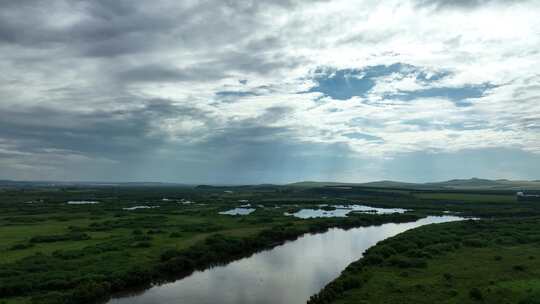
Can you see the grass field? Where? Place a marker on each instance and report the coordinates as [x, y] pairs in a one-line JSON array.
[[469, 197], [452, 277], [494, 262], [52, 252]]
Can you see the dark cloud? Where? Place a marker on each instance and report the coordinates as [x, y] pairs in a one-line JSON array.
[[164, 73], [258, 153], [258, 63], [33, 23], [112, 28], [228, 94], [235, 95], [112, 47], [93, 51], [106, 133], [133, 43], [217, 68], [274, 114]]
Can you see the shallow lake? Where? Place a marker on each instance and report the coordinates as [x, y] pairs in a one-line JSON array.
[[287, 274], [342, 211], [238, 211], [82, 202]]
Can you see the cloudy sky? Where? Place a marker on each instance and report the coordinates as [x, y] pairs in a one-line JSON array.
[[247, 91]]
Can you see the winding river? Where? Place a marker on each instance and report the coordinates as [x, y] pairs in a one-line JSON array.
[[287, 274]]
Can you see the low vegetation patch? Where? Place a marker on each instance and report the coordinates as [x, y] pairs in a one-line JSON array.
[[52, 252], [458, 262]]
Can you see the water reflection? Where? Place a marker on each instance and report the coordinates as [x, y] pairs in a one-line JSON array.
[[82, 203], [342, 211], [238, 211], [287, 274]]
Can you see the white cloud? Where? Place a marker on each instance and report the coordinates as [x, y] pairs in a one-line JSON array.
[[80, 61]]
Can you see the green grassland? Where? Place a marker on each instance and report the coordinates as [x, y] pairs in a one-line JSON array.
[[490, 261], [469, 197], [112, 242], [52, 252]]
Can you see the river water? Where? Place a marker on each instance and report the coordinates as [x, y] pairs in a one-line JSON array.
[[287, 274]]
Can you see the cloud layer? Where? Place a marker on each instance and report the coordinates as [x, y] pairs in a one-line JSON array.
[[268, 91]]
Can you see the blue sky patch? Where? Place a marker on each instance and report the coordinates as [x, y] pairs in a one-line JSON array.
[[346, 83], [459, 95], [368, 137]]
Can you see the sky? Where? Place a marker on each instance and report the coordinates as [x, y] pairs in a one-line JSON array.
[[246, 91]]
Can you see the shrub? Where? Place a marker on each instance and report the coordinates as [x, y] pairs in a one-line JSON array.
[[373, 259], [474, 243], [531, 299], [68, 254], [476, 294], [169, 254], [402, 262], [88, 292], [143, 244], [73, 236], [49, 298], [21, 246]]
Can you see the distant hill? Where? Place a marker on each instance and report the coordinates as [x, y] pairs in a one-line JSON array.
[[389, 184], [320, 184], [457, 184], [463, 184], [470, 183], [501, 184]]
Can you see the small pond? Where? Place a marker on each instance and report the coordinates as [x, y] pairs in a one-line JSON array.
[[140, 207], [82, 202], [238, 211]]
